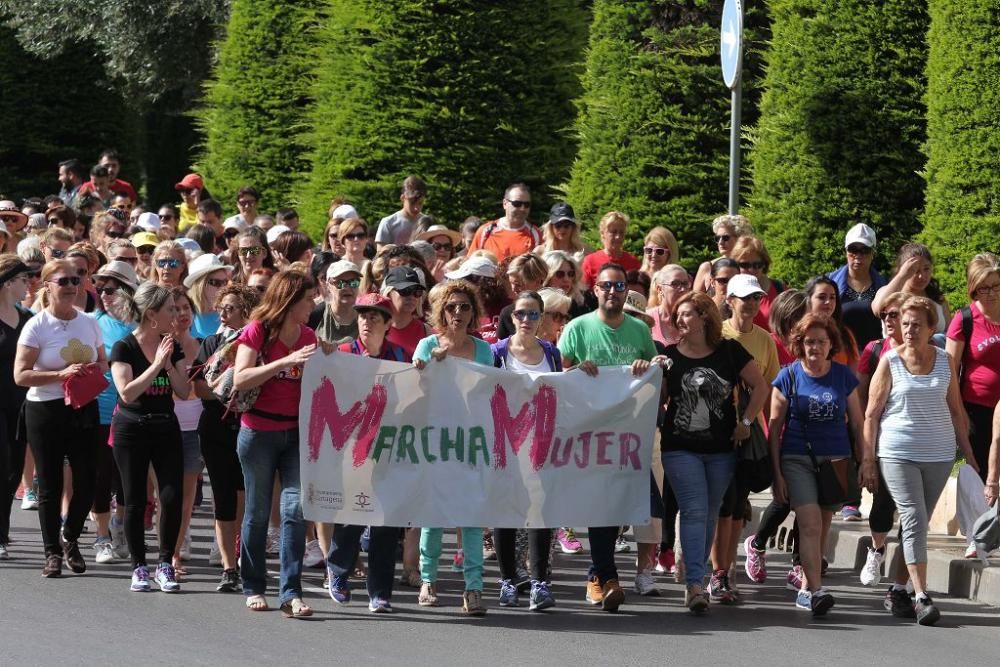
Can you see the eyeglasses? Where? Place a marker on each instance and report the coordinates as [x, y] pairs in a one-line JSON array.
[[145, 249], [651, 250], [616, 285], [679, 285], [517, 203], [756, 296], [723, 238], [353, 283], [887, 315], [751, 266], [456, 308], [859, 250], [227, 308], [984, 290], [66, 280], [560, 274], [356, 236], [215, 282], [447, 247], [825, 298], [558, 317], [130, 260], [251, 252], [411, 291], [168, 263], [107, 291], [530, 315], [243, 203], [57, 253]]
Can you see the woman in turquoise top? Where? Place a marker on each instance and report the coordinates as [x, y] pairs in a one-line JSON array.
[[456, 313]]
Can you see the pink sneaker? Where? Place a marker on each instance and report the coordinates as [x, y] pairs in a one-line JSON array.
[[568, 542], [459, 562], [666, 562], [793, 580], [756, 563]]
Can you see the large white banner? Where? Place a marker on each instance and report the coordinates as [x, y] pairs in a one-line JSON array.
[[460, 444]]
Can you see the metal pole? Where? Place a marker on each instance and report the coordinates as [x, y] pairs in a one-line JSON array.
[[734, 147]]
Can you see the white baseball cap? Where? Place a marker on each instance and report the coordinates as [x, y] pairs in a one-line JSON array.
[[149, 221], [274, 232], [860, 233], [474, 266], [743, 285]]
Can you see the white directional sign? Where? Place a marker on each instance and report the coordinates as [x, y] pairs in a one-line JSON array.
[[731, 43]]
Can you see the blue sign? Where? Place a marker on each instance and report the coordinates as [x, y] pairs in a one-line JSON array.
[[731, 43]]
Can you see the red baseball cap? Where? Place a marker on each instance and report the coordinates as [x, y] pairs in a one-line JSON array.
[[190, 181], [374, 301]]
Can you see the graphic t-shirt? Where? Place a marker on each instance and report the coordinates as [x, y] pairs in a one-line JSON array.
[[280, 394], [818, 410], [587, 338], [701, 415], [593, 262], [158, 397], [59, 344], [981, 359]]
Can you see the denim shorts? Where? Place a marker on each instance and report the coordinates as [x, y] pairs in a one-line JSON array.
[[193, 463]]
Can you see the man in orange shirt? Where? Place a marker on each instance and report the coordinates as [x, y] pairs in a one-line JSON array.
[[511, 235]]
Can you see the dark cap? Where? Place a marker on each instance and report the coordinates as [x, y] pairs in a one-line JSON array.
[[400, 278], [562, 211]]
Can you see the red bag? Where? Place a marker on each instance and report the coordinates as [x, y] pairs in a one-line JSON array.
[[80, 390]]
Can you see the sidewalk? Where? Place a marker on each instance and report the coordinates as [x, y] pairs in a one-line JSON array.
[[947, 569]]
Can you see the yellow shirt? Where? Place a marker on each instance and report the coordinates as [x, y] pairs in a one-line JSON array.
[[760, 346], [189, 216]]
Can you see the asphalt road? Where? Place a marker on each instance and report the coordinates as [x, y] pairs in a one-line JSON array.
[[94, 619]]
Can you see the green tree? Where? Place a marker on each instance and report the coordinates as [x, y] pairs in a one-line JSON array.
[[840, 132], [252, 117], [468, 95], [655, 115], [962, 216]]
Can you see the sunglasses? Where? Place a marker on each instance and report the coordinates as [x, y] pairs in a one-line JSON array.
[[353, 283], [57, 253], [168, 263], [9, 219], [530, 315], [443, 246], [560, 274], [251, 252], [747, 266], [721, 281], [659, 252], [516, 203], [616, 285], [36, 273], [756, 296], [215, 282], [887, 315], [859, 250], [66, 280], [411, 291], [456, 308], [167, 216], [563, 224], [145, 249], [356, 236], [723, 238], [129, 260], [107, 291]]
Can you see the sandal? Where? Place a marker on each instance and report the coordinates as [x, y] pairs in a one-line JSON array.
[[428, 596], [410, 578], [296, 608], [257, 603]]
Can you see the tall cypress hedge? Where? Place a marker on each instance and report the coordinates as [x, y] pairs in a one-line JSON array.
[[655, 115], [253, 112], [469, 95], [841, 128], [963, 146]]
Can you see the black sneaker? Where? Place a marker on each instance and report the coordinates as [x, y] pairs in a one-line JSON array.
[[926, 612], [230, 581], [71, 550], [898, 602]]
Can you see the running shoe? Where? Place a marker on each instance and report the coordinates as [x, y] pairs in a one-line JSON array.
[[229, 582], [105, 554], [522, 580], [666, 562], [340, 591], [595, 594], [822, 602], [803, 600], [898, 603], [30, 500], [472, 603], [645, 584], [215, 555], [459, 561], [567, 541], [756, 562], [119, 545], [140, 580], [926, 612], [508, 594], [185, 550], [489, 549], [379, 605], [850, 513], [71, 552], [541, 597], [166, 578], [314, 555], [4, 552], [613, 596], [273, 541], [793, 580], [871, 573], [971, 551], [622, 546], [718, 588]]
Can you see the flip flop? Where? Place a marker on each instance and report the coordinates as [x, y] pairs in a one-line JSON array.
[[257, 603], [296, 608]]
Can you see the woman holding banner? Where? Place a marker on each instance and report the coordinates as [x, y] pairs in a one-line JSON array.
[[456, 315], [524, 352]]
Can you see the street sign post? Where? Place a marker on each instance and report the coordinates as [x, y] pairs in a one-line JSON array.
[[731, 54]]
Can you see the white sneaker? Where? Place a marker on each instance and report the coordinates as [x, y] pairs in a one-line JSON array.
[[104, 552], [215, 555], [185, 550], [4, 553], [273, 541], [30, 500], [970, 551], [645, 584], [118, 543], [314, 555], [871, 573]]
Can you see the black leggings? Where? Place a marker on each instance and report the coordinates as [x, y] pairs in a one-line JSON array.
[[774, 514], [218, 448], [139, 442], [12, 446], [57, 432], [108, 480], [980, 435], [670, 510], [539, 543]]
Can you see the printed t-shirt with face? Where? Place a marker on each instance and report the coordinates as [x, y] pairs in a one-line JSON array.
[[59, 344], [818, 410], [280, 394], [593, 262], [701, 415], [587, 338], [158, 397], [981, 375]]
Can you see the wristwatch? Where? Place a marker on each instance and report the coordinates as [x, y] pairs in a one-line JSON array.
[[746, 421]]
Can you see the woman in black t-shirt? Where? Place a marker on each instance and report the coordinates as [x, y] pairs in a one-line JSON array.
[[145, 429]]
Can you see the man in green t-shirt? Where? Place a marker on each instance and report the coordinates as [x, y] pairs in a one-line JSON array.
[[606, 337]]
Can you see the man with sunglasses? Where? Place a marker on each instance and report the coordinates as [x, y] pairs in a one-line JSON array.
[[399, 227], [606, 337], [858, 281], [511, 235], [335, 320]]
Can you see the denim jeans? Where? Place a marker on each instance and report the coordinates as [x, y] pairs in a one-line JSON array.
[[699, 481], [381, 556], [262, 455], [472, 548]]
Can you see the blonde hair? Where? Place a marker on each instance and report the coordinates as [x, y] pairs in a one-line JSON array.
[[549, 239], [737, 223], [660, 277], [663, 238], [924, 305], [751, 245], [554, 300], [612, 217], [555, 259], [980, 268]]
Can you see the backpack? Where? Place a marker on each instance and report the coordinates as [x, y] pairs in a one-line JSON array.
[[966, 312], [551, 352], [491, 227]]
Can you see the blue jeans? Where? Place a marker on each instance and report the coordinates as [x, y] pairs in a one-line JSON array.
[[344, 550], [699, 481], [262, 455]]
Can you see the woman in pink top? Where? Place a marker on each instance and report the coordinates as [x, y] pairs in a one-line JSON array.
[[670, 283], [273, 348]]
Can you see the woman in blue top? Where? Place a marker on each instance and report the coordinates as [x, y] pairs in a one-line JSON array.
[[524, 352], [456, 314], [814, 405], [112, 282]]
